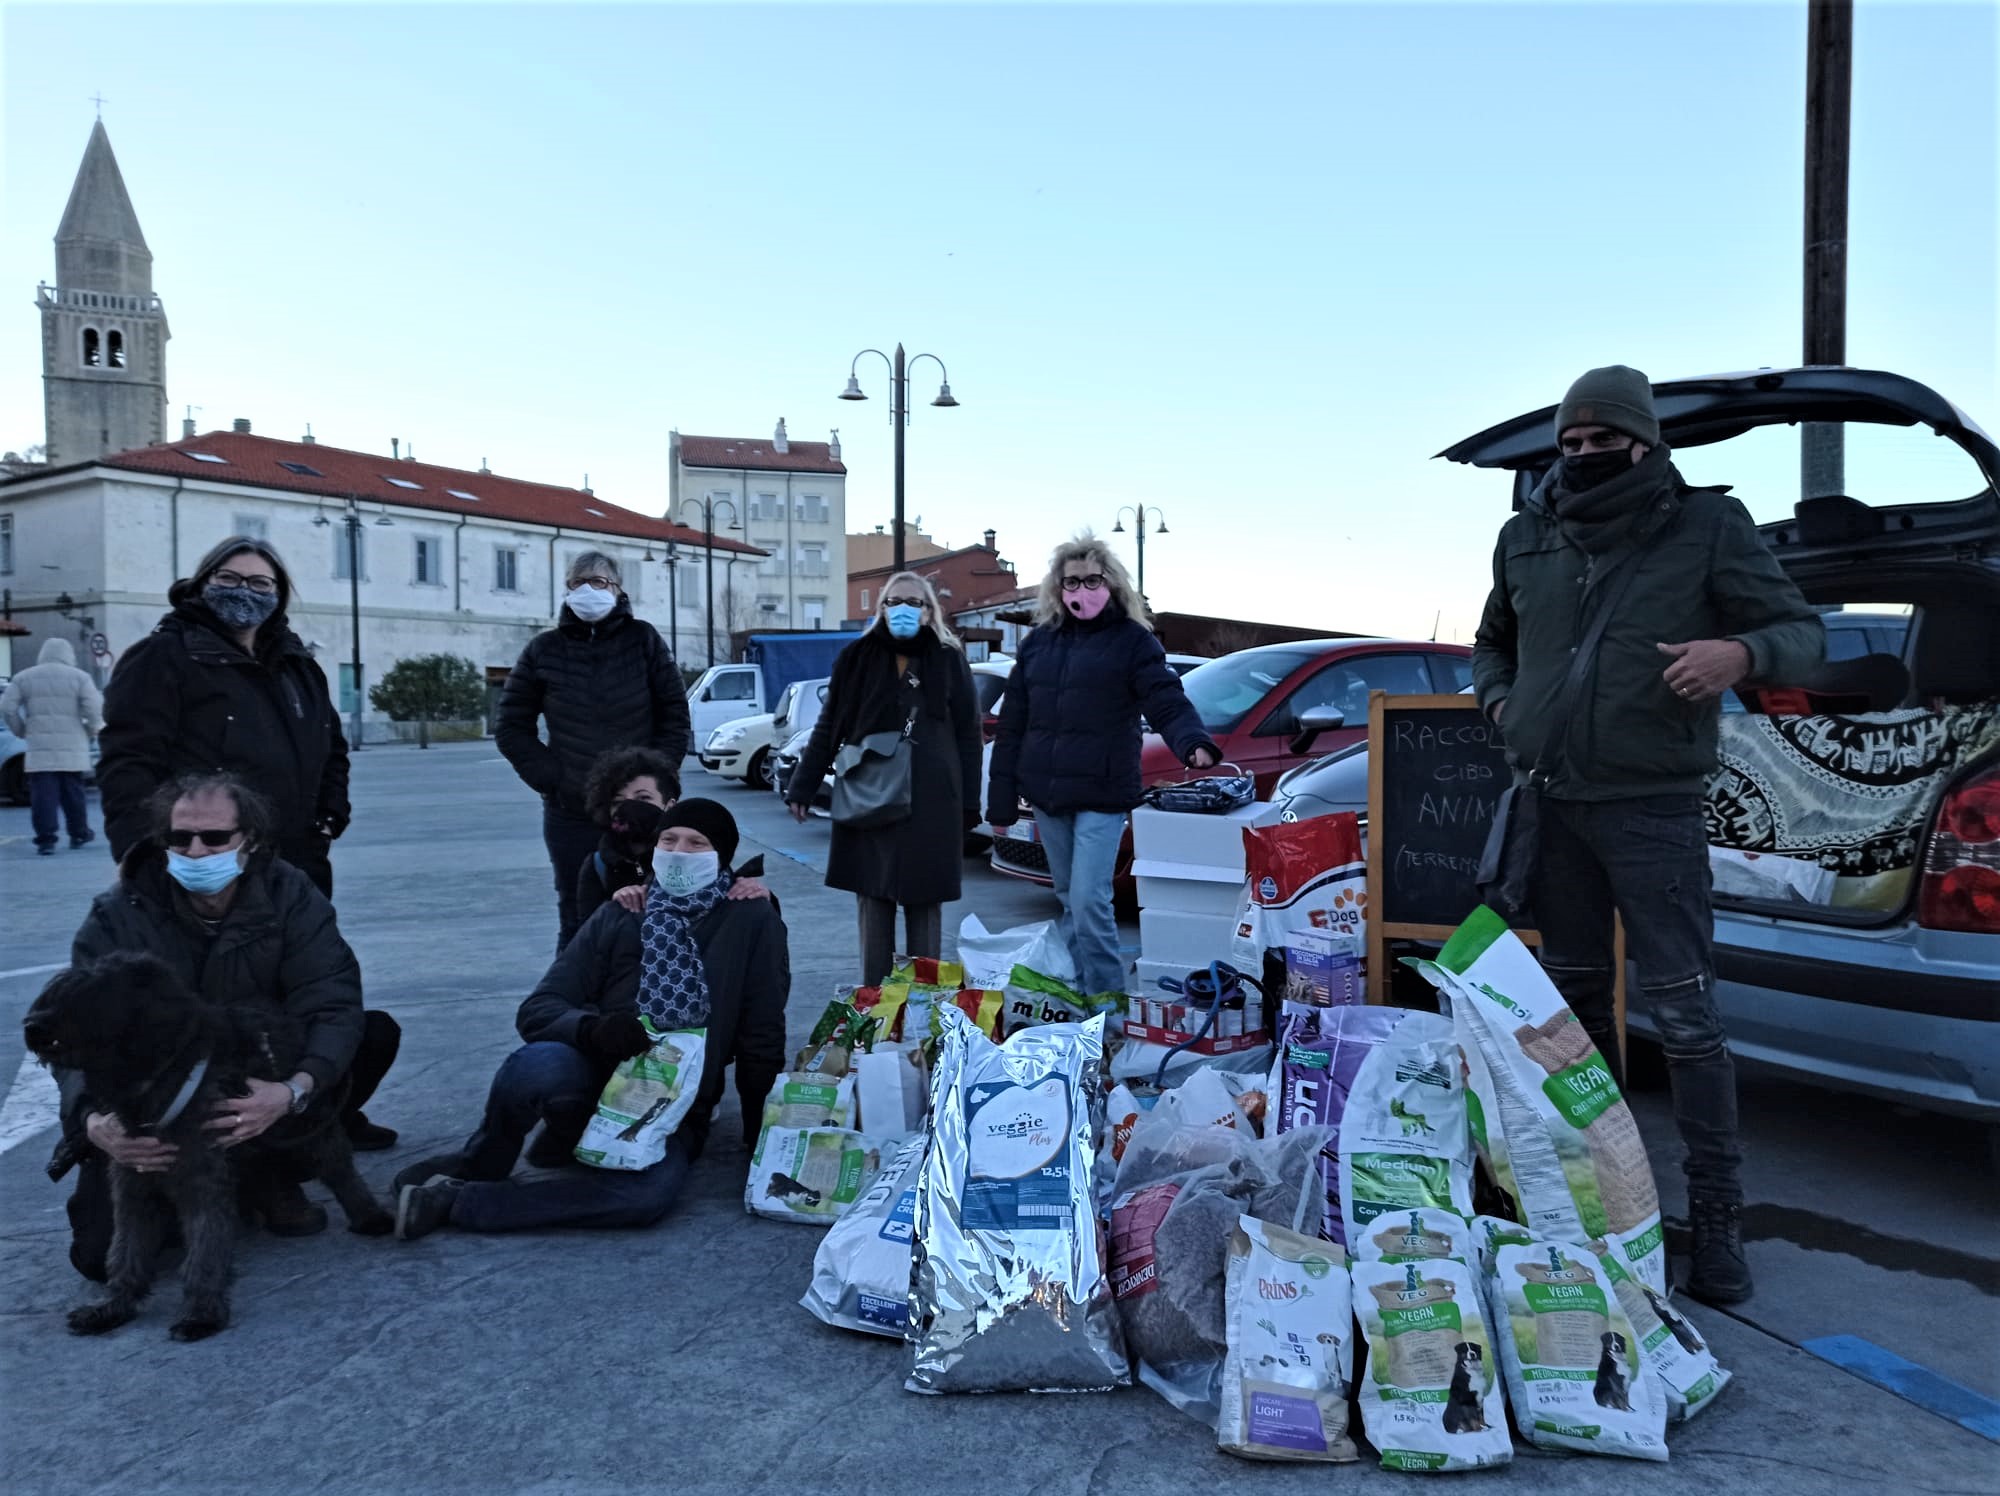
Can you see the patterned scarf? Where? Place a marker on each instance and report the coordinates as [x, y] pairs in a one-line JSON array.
[[673, 989]]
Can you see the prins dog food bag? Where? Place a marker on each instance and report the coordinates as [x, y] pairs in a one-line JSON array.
[[1291, 1334]]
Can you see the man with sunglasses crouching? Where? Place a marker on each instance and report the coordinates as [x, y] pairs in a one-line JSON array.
[[207, 895]]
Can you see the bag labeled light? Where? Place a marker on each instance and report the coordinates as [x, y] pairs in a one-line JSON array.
[[644, 1101], [1291, 1326]]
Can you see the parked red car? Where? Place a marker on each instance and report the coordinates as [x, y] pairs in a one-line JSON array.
[[1271, 709]]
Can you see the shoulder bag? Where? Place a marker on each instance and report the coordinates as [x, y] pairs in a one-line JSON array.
[[871, 778]]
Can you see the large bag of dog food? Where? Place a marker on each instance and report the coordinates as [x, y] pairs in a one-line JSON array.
[[1674, 1351], [1572, 1146], [808, 1099], [811, 1175], [1430, 1397], [1570, 1356], [1291, 1336], [990, 956], [1010, 1290], [1032, 998], [1302, 875], [1423, 1233], [861, 1272], [646, 1098]]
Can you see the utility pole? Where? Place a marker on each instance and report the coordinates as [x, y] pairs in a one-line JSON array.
[[1829, 95]]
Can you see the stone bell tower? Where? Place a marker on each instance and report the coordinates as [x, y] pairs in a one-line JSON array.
[[104, 332]]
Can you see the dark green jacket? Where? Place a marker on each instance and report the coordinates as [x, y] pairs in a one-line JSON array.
[[1704, 573]]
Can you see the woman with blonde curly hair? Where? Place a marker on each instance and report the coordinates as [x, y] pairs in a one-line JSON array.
[[1070, 737], [906, 673]]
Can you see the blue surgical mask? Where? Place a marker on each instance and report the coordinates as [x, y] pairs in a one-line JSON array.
[[904, 620], [207, 875]]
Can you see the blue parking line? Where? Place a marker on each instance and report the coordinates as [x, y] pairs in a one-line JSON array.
[[1914, 1383]]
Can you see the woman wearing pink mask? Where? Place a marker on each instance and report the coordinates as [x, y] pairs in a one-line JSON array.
[[1070, 736]]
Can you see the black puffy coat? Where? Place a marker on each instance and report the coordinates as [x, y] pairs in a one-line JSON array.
[[279, 946], [1069, 727], [919, 860], [186, 698], [748, 965], [600, 686]]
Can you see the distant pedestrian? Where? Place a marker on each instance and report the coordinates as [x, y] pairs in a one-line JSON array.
[[1070, 736], [222, 683], [629, 792], [600, 679], [1624, 604], [907, 672], [56, 710]]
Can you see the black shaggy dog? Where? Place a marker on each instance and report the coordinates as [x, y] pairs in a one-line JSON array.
[[1464, 1409], [1610, 1389], [158, 1057]]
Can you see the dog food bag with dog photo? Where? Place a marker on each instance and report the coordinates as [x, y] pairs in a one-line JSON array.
[[646, 1098], [1673, 1350], [861, 1273], [1010, 1290], [809, 1099], [1578, 1162], [1303, 875], [1572, 1361], [1404, 1140], [811, 1175], [1291, 1337], [1430, 1397]]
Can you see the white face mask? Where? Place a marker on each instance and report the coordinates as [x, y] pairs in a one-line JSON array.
[[590, 603], [682, 873]]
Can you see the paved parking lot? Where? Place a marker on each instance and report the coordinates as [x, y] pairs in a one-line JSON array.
[[677, 1358]]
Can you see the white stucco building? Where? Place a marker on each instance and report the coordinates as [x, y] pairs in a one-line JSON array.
[[451, 561]]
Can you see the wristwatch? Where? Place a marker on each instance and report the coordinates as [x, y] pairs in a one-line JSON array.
[[301, 1097]]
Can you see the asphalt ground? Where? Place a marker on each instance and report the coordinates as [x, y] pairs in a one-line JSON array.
[[677, 1357]]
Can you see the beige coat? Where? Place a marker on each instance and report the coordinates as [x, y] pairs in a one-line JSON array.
[[56, 709]]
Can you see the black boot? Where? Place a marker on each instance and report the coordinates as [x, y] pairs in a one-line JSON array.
[[1719, 1273], [366, 1136]]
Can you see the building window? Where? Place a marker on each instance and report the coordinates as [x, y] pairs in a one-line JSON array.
[[506, 569], [114, 343], [255, 526], [864, 600], [430, 561], [812, 612], [812, 560], [6, 545], [812, 509], [91, 357], [774, 564], [349, 697], [347, 534], [767, 506]]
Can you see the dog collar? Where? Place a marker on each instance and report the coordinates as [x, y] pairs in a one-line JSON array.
[[183, 1096]]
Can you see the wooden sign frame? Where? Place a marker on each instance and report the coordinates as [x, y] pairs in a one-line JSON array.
[[1381, 932]]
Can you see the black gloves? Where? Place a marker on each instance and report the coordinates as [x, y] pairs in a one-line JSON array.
[[617, 1037]]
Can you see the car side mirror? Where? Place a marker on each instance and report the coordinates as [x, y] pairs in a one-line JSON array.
[[707, 694], [1313, 721]]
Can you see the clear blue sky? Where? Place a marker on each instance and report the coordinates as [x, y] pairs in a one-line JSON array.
[[1252, 265]]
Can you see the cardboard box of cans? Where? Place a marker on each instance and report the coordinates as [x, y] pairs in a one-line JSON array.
[[1170, 1021]]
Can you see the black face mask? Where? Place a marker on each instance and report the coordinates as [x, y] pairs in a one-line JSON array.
[[1588, 470], [636, 824]]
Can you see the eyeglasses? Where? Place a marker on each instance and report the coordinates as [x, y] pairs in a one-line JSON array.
[[904, 602], [602, 584], [1092, 583], [237, 579], [180, 840]]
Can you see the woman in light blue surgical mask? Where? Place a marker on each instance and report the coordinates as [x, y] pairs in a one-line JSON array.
[[906, 675]]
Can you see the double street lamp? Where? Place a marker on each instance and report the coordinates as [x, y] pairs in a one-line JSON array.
[[352, 519], [899, 412], [708, 504], [1140, 526]]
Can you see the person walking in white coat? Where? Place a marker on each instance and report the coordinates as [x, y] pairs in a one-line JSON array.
[[56, 709]]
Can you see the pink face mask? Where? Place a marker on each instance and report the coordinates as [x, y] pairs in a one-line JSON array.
[[1086, 603]]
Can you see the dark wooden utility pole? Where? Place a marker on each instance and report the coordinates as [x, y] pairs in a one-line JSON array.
[[1829, 94]]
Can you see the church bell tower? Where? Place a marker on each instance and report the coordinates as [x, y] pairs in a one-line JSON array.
[[104, 332]]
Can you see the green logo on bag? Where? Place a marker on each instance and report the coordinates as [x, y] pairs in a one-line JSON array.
[[1582, 1093], [1316, 1267]]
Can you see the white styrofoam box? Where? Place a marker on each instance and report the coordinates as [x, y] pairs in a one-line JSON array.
[[1206, 841], [1188, 886], [1187, 940]]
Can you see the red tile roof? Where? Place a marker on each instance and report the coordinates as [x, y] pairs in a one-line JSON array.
[[759, 456], [337, 474]]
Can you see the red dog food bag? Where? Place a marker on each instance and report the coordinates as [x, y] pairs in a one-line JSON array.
[[1305, 875]]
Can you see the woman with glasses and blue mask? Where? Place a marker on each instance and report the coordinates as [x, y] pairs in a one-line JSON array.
[[222, 683], [905, 676], [1070, 736]]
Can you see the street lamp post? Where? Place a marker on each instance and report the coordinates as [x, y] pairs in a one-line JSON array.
[[707, 504], [899, 412], [1139, 525], [352, 520]]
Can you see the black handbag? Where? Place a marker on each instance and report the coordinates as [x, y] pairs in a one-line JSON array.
[[871, 779], [1506, 876]]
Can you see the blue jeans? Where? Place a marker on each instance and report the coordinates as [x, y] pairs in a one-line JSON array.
[[1083, 854], [557, 1084], [1646, 858], [52, 794]]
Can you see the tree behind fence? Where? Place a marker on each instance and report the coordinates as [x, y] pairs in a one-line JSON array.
[[430, 688]]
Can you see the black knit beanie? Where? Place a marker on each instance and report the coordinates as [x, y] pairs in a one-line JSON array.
[[1615, 396], [711, 820]]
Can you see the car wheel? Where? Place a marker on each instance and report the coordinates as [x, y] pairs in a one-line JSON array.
[[14, 780], [759, 771]]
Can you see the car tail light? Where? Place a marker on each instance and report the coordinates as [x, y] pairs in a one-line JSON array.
[[1961, 875]]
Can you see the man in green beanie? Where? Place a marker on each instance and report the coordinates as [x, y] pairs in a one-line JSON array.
[[1696, 604]]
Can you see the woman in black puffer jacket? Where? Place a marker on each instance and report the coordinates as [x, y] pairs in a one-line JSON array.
[[602, 679], [1070, 737], [907, 669]]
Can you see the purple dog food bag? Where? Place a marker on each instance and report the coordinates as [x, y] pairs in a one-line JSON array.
[[1318, 1058]]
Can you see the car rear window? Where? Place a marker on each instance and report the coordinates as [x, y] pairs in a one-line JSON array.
[[1225, 691]]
